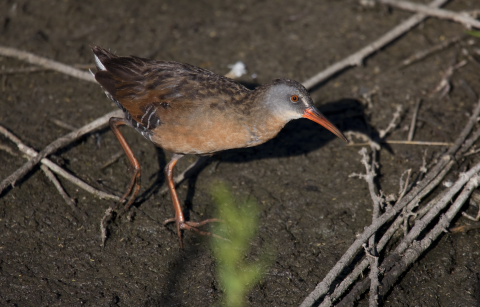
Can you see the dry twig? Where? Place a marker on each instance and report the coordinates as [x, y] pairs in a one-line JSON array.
[[392, 229], [47, 63], [412, 198], [103, 224], [357, 58], [437, 204], [464, 228], [35, 157], [377, 205], [444, 85], [424, 53], [411, 132], [393, 123], [404, 143], [395, 264], [70, 202], [62, 124], [22, 70], [113, 159], [462, 18], [8, 149], [418, 247]]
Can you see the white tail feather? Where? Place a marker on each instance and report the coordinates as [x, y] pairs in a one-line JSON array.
[[99, 64]]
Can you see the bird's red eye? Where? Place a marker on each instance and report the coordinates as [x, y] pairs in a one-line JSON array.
[[294, 98]]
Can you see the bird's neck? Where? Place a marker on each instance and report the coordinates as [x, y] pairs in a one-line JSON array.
[[265, 121]]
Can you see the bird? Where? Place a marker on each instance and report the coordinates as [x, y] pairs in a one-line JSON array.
[[186, 109]]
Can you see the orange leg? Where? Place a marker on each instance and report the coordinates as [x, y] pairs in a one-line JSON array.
[[135, 181], [179, 219]]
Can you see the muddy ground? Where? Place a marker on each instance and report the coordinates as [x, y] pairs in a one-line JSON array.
[[310, 209]]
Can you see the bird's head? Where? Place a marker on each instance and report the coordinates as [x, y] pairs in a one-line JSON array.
[[291, 100]]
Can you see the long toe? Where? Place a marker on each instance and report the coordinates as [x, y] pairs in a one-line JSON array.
[[185, 226], [198, 224]]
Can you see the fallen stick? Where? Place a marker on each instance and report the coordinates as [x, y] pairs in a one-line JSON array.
[[393, 123], [70, 202], [464, 228], [462, 18], [47, 63], [420, 189], [31, 153], [424, 143], [103, 224], [417, 249], [357, 58], [8, 149], [395, 264], [371, 250], [22, 70], [354, 275], [424, 53], [411, 131], [57, 144]]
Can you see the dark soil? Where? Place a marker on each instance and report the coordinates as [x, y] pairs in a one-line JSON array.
[[310, 209]]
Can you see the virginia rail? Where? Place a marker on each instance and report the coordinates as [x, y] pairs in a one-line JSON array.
[[189, 110]]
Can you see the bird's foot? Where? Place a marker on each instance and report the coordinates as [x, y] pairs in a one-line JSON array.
[[192, 226]]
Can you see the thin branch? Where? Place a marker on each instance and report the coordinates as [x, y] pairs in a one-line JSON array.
[[472, 218], [33, 69], [420, 189], [47, 63], [8, 149], [70, 202], [468, 143], [377, 204], [345, 284], [462, 18], [60, 171], [401, 249], [357, 58], [22, 70], [424, 53], [399, 142], [403, 189], [465, 132], [464, 228], [113, 159], [374, 272], [364, 137], [59, 187], [393, 123], [411, 132], [103, 224], [62, 124], [418, 247], [55, 145], [423, 143], [444, 85], [472, 152], [31, 153]]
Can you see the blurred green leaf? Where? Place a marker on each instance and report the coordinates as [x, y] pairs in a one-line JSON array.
[[236, 276], [473, 33]]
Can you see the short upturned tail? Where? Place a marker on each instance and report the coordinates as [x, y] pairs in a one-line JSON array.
[[123, 71]]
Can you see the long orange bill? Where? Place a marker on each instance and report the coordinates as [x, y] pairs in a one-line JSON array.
[[313, 114]]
